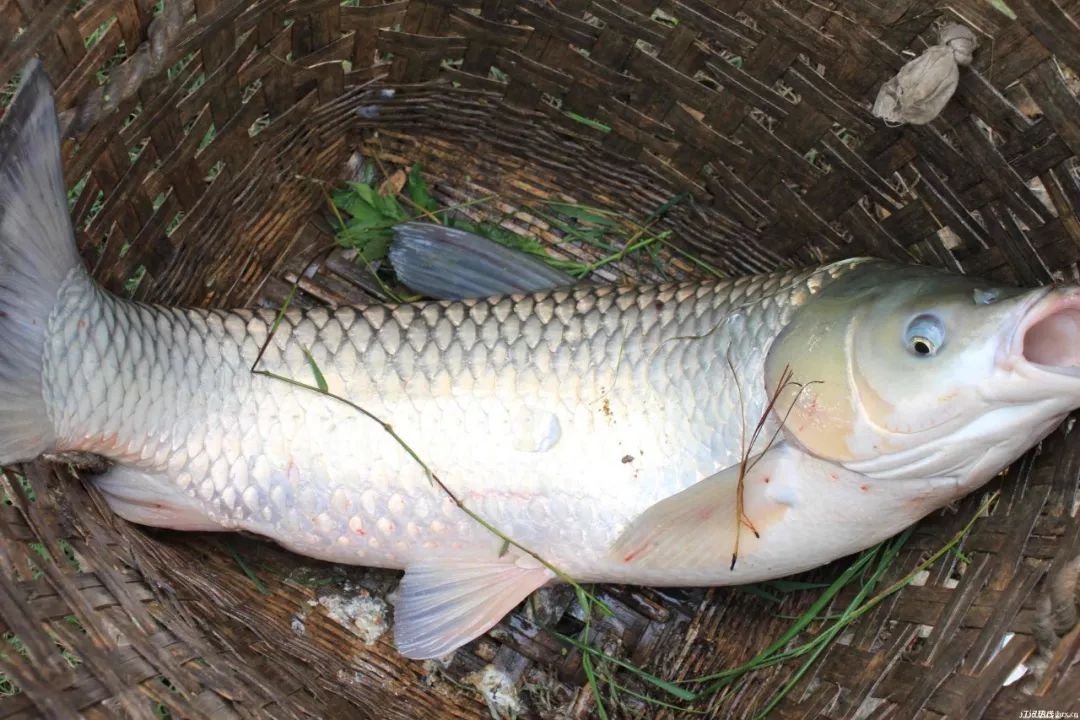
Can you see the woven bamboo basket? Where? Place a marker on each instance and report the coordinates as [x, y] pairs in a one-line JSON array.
[[199, 139]]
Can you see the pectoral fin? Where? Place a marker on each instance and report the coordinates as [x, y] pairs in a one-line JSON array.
[[442, 605], [700, 523]]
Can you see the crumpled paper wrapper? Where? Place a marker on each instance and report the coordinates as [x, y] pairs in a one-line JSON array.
[[922, 88]]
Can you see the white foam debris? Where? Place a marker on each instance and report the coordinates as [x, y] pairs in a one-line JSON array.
[[360, 612], [297, 620], [439, 664], [498, 691], [349, 678], [920, 578], [868, 706]]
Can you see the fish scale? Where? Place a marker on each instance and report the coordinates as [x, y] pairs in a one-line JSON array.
[[559, 417]]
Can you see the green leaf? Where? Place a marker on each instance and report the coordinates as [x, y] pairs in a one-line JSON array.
[[358, 236], [375, 248], [320, 381], [390, 208], [365, 215], [418, 189], [340, 197], [356, 205], [365, 192]]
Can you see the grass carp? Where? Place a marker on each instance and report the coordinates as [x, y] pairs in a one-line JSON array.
[[623, 434]]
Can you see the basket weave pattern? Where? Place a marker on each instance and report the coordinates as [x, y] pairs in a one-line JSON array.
[[202, 136]]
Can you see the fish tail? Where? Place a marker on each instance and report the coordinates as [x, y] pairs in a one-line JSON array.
[[37, 255]]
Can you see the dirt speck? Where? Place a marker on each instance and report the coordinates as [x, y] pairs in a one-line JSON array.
[[605, 408], [627, 459]]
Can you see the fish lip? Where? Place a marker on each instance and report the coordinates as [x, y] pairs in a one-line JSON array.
[[1037, 309]]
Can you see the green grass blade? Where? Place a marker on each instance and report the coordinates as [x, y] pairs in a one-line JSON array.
[[696, 260], [654, 701], [595, 124], [666, 206], [757, 591], [320, 380], [665, 685], [787, 586], [762, 659], [586, 659], [590, 676], [259, 584]]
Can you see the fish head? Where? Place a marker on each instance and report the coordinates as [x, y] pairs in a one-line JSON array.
[[900, 372]]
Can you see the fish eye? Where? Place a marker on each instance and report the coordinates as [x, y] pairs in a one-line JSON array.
[[924, 336]]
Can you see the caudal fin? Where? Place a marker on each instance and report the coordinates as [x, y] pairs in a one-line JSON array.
[[37, 253]]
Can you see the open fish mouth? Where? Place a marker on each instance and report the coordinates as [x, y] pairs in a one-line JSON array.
[[1049, 333]]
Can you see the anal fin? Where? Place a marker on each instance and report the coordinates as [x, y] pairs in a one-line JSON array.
[[443, 604], [154, 500]]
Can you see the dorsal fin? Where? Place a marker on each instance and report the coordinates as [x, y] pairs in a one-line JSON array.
[[449, 264]]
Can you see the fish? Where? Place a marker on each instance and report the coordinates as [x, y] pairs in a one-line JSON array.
[[693, 433]]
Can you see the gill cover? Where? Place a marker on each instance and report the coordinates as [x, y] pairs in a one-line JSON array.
[[887, 356], [810, 358]]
